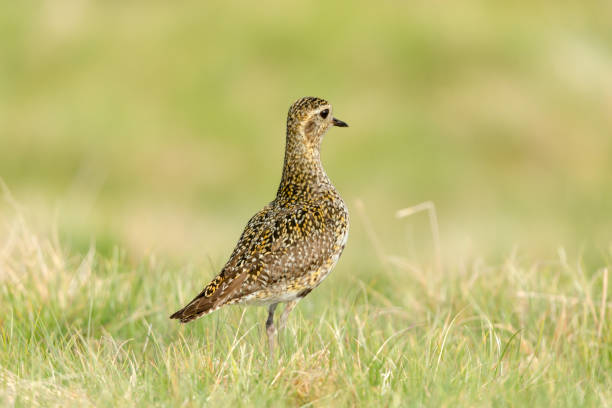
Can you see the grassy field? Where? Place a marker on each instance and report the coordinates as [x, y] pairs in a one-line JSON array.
[[94, 331], [136, 139]]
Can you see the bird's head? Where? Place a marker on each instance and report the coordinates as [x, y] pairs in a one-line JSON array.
[[308, 120]]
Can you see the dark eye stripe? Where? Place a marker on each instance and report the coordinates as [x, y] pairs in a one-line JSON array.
[[324, 113]]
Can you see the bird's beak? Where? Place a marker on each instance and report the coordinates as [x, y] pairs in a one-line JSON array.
[[339, 123]]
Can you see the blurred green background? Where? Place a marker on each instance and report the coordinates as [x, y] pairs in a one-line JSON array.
[[158, 127]]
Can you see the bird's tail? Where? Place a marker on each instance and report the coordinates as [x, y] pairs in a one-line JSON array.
[[198, 307], [202, 305]]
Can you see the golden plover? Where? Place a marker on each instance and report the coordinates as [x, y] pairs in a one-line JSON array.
[[291, 245]]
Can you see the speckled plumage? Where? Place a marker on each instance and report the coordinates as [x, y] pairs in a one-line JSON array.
[[292, 244]]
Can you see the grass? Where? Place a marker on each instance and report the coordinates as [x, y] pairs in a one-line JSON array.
[[94, 331]]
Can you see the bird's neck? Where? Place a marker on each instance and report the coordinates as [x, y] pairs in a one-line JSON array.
[[303, 173]]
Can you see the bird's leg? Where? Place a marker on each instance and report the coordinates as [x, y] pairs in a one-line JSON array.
[[270, 329], [288, 308]]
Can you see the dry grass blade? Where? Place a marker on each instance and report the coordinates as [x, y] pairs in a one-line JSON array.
[[433, 225], [602, 308]]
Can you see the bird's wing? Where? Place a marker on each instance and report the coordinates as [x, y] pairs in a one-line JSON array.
[[232, 276], [298, 240]]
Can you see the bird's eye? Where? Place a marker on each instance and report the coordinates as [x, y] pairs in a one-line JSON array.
[[324, 113]]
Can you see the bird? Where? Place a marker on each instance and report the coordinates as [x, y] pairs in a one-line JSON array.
[[289, 247]]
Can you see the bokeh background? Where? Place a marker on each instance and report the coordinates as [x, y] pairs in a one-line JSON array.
[[158, 127]]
